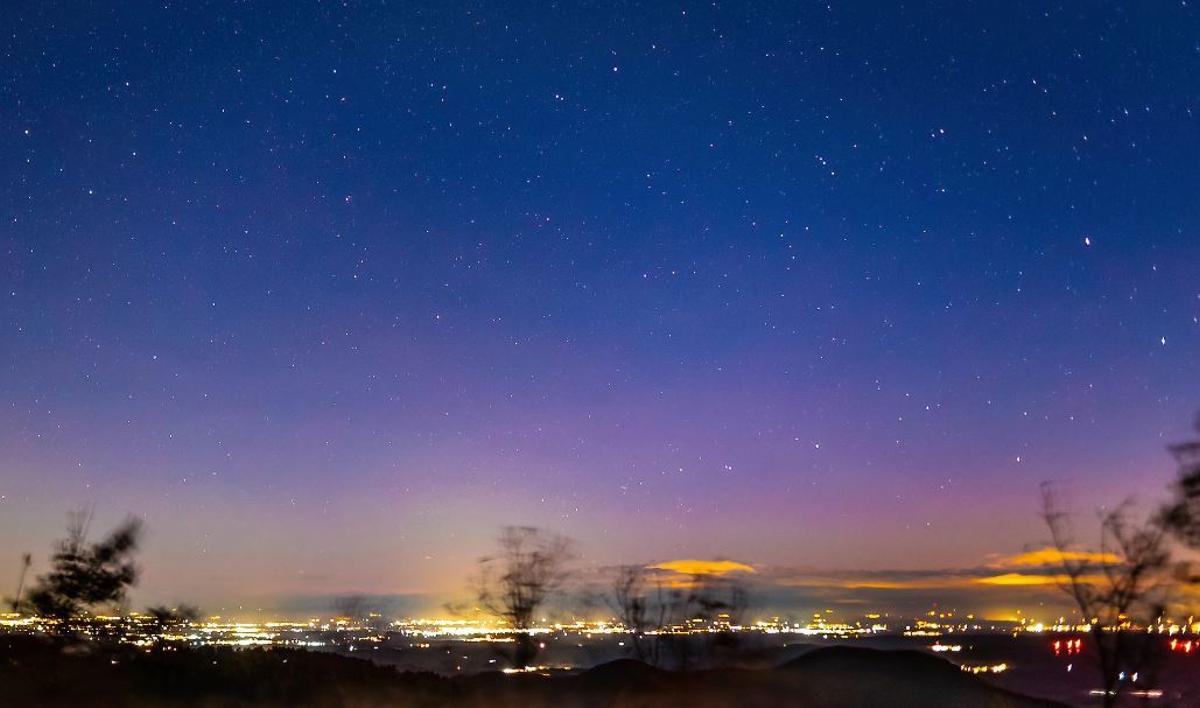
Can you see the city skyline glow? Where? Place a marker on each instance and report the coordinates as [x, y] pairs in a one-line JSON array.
[[328, 295]]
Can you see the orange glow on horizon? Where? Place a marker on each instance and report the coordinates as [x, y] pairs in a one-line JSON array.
[[1052, 556], [1028, 579], [703, 567]]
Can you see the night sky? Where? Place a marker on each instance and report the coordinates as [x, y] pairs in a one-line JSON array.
[[328, 292]]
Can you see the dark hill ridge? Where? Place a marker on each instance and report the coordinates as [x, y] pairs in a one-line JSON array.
[[838, 658], [629, 672], [37, 673], [897, 678]]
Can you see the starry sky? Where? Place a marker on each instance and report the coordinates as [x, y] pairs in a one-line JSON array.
[[328, 292]]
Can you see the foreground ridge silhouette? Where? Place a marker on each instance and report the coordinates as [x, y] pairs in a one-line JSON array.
[[37, 672]]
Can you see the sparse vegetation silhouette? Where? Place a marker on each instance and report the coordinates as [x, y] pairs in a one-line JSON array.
[[530, 565], [86, 575], [1124, 582]]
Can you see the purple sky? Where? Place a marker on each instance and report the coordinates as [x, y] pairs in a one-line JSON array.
[[329, 294]]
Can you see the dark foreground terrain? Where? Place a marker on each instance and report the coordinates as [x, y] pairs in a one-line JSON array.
[[36, 672]]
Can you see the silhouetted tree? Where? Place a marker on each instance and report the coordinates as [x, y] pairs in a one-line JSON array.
[[1123, 584], [529, 567], [674, 642], [721, 601], [640, 605], [1182, 513], [352, 607], [15, 601], [692, 617], [713, 604], [361, 610], [85, 575], [165, 616]]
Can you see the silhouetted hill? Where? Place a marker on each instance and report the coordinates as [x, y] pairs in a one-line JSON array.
[[627, 671], [36, 672], [853, 676]]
